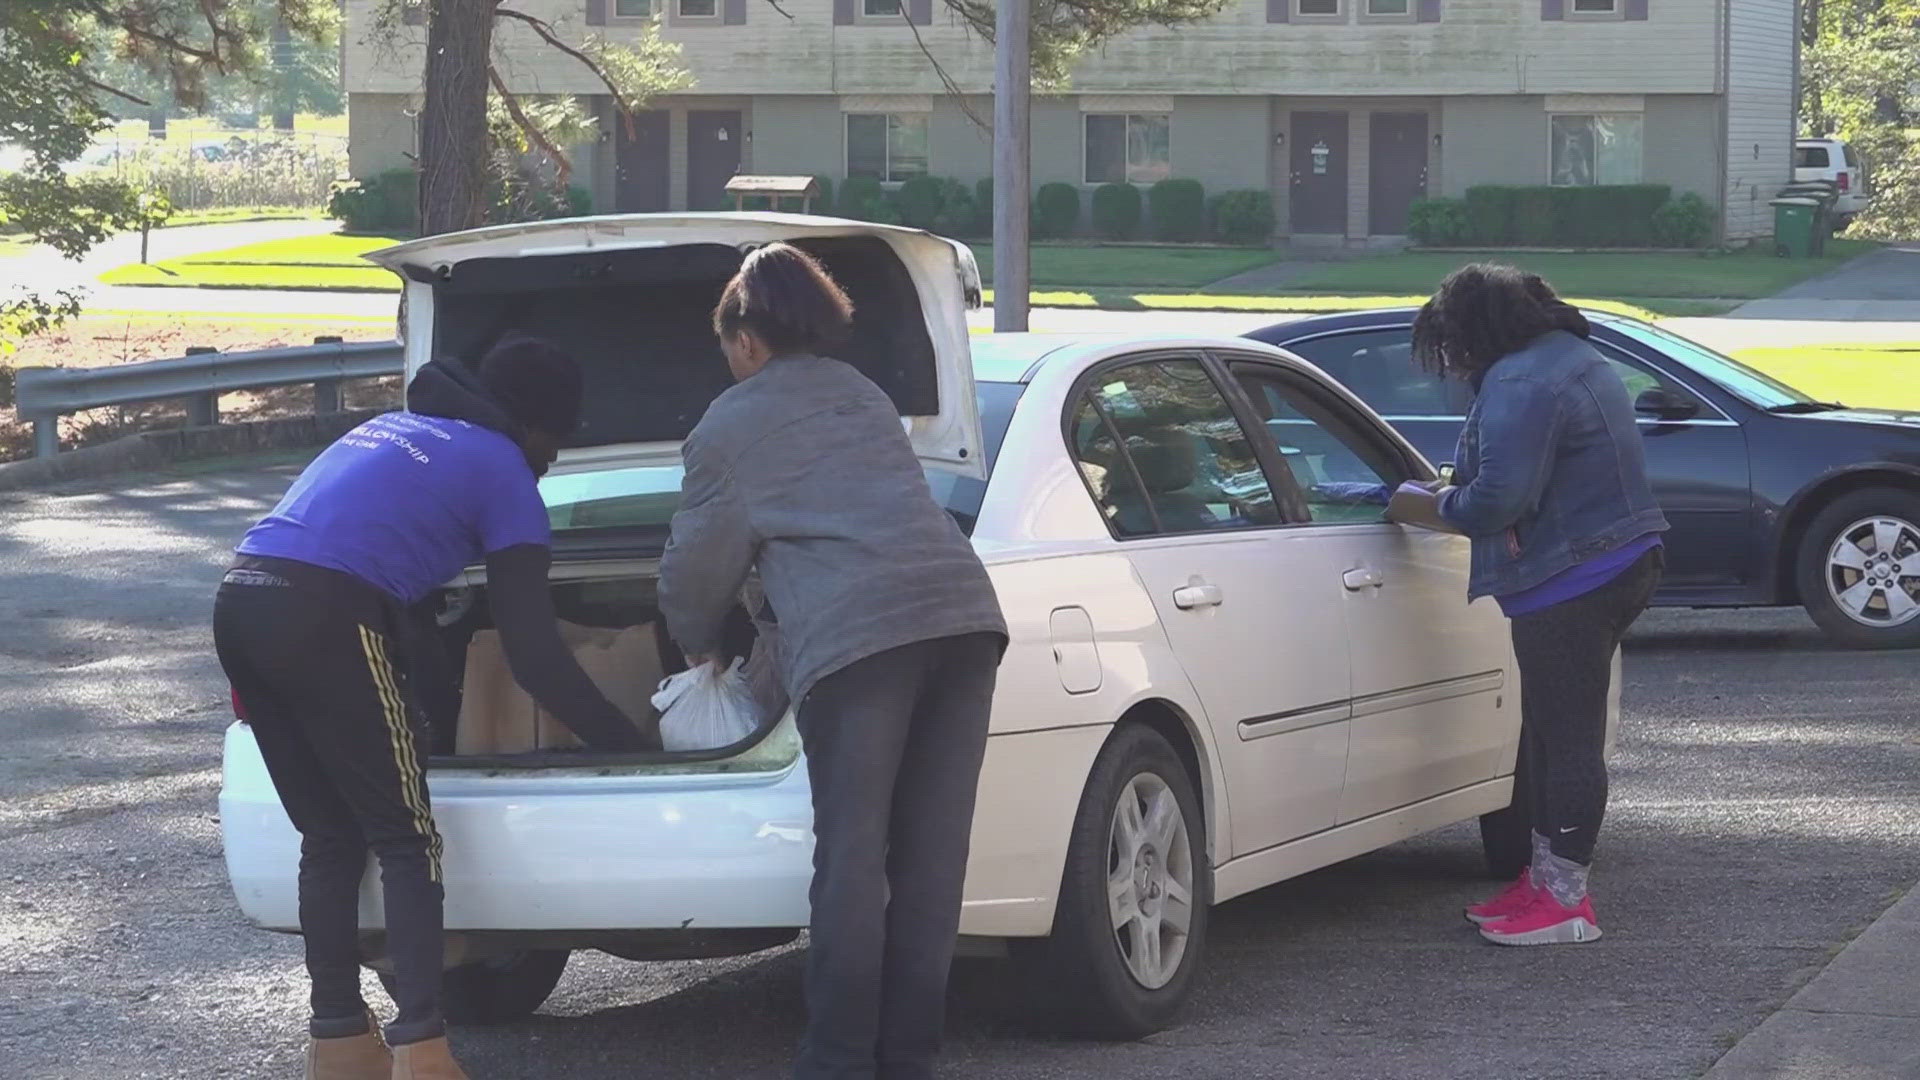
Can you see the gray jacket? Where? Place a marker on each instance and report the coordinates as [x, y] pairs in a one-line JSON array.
[[805, 473]]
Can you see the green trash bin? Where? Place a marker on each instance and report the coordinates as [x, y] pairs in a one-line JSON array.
[[1795, 221]]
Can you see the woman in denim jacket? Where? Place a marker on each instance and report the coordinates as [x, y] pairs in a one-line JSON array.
[[1550, 483]]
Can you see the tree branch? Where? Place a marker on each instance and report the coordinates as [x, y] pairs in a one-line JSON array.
[[946, 80], [165, 41], [115, 91], [562, 167], [545, 30]]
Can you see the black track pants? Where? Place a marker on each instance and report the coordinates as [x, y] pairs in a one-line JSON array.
[[313, 656], [1566, 669]]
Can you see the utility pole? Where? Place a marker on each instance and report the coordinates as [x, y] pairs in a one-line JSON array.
[[1012, 152]]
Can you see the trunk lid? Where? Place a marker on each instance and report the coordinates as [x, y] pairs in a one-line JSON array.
[[631, 297]]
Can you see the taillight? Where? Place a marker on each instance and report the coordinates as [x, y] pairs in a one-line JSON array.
[[1843, 182], [239, 710]]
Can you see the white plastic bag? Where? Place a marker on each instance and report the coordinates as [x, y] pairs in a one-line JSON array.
[[705, 708]]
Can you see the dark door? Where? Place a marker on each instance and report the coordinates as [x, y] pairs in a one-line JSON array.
[[1319, 173], [713, 156], [1397, 170], [640, 163]]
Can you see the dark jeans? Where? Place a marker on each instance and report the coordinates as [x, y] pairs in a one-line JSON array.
[[1566, 669], [313, 658], [894, 745]]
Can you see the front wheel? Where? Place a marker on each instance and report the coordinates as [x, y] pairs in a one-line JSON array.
[[499, 990], [1132, 918], [1859, 569]]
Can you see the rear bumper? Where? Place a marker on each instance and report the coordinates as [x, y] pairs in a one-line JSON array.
[[561, 849]]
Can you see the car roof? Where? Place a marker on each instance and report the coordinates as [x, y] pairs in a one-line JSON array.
[[1317, 325], [1018, 357]]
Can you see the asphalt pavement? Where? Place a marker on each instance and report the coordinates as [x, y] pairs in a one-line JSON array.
[[1764, 812]]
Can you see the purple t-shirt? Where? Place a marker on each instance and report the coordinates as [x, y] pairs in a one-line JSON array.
[[404, 502], [1579, 579]]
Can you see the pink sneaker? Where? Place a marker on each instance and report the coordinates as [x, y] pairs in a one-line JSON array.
[[1512, 900], [1545, 922]]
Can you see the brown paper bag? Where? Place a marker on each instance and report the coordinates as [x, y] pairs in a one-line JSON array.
[[497, 717]]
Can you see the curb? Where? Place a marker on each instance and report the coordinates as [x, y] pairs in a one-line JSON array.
[[152, 449]]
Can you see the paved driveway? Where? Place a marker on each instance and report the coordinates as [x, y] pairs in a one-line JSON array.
[[1881, 286], [1764, 809]]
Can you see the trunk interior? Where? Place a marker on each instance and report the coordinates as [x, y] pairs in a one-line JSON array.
[[482, 719]]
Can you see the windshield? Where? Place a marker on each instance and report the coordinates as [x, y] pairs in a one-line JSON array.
[[645, 498], [1760, 391]]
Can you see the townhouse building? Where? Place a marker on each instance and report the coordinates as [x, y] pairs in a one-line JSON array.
[[1345, 110]]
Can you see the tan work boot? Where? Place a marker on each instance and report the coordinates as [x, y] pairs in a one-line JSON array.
[[427, 1060], [352, 1057]]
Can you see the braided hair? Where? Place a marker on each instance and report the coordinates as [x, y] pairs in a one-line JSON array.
[[1484, 312]]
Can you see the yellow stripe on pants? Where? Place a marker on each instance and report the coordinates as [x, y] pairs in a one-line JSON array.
[[412, 785]]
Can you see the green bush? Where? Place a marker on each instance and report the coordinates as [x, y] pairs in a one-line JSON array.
[[1056, 211], [823, 196], [959, 217], [1684, 222], [1242, 217], [1116, 211], [919, 201], [384, 203], [862, 198], [1490, 214], [1533, 216], [1438, 222], [1178, 209]]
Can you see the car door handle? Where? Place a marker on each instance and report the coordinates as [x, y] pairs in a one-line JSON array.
[[1365, 577], [1197, 595]]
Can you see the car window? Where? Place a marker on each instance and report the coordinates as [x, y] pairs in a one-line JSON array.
[[1377, 365], [1162, 452], [1341, 463], [1811, 157], [1853, 160], [1760, 391]]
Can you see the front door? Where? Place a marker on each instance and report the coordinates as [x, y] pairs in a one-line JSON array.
[[1431, 709], [640, 170], [1235, 587], [1318, 169], [1396, 170], [713, 157]]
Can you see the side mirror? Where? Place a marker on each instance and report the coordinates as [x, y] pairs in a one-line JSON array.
[[1663, 404]]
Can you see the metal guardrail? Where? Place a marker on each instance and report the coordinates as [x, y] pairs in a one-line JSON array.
[[44, 394]]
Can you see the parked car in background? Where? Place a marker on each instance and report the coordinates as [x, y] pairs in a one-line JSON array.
[[1833, 161], [1219, 675], [1775, 499]]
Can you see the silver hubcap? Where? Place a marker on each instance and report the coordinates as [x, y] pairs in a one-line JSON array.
[[1150, 880], [1873, 571]]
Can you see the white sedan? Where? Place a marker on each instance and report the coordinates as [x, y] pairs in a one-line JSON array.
[[1226, 670]]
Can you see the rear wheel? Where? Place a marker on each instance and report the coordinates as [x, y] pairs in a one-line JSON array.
[[1132, 919], [1859, 569], [499, 990]]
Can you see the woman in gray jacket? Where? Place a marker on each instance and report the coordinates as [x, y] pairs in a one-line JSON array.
[[890, 640]]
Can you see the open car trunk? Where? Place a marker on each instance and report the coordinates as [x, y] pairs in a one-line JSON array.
[[631, 298], [609, 618]]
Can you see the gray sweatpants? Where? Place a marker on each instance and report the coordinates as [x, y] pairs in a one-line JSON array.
[[894, 745]]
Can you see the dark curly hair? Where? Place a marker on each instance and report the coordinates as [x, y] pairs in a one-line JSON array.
[[1484, 312], [786, 298]]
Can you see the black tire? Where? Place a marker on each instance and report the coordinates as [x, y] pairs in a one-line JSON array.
[[1091, 990], [1811, 566], [497, 991], [1506, 835]]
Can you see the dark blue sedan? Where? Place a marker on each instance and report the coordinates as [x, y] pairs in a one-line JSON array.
[[1775, 499]]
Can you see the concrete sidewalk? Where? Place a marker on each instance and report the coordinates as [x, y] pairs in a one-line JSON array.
[[1859, 1019]]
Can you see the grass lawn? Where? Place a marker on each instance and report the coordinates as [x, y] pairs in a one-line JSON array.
[[1312, 304], [1871, 376], [1744, 275], [1131, 266], [328, 262], [233, 214]]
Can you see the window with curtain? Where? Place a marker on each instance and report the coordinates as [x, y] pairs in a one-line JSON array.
[[880, 9], [1389, 7], [1596, 149], [1596, 7], [888, 147], [1128, 148], [1317, 7], [633, 9], [699, 9]]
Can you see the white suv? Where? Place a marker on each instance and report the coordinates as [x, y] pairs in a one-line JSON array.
[[1834, 162]]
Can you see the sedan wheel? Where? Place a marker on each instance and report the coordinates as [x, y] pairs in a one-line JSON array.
[[1132, 917], [1860, 569]]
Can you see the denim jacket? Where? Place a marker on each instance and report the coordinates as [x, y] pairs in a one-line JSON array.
[[1551, 471]]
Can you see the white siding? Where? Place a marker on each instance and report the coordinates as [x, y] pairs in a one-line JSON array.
[[1760, 112], [1479, 47]]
